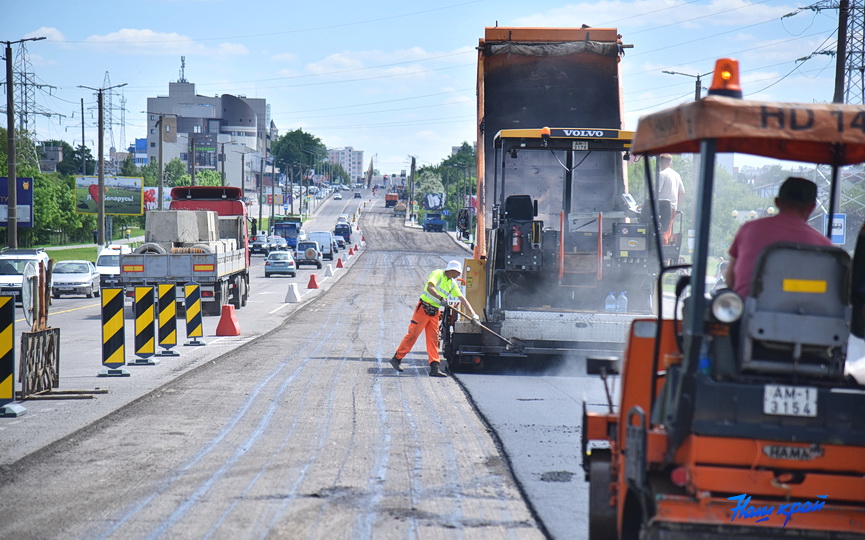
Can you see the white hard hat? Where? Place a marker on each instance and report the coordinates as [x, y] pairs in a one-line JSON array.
[[454, 265]]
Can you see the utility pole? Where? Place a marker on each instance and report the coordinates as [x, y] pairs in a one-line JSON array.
[[841, 54], [12, 200], [260, 188], [162, 126], [192, 158], [222, 157], [697, 85], [411, 191], [100, 204], [83, 143]]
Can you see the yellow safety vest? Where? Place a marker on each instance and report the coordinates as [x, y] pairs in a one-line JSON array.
[[443, 284]]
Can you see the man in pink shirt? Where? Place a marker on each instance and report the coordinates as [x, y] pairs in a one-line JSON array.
[[796, 200]]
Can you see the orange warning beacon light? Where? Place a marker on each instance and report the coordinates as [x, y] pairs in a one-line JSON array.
[[725, 82]]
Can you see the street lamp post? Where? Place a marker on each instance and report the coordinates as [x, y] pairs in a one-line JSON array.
[[698, 88], [12, 197], [100, 204], [160, 124]]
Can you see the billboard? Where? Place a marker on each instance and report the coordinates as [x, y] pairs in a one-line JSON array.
[[25, 201], [123, 195]]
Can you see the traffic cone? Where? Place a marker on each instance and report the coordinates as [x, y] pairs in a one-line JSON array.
[[339, 262], [228, 325], [328, 272], [313, 282], [362, 238], [350, 252], [355, 247]]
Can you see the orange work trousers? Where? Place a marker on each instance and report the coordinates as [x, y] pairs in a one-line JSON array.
[[421, 322]]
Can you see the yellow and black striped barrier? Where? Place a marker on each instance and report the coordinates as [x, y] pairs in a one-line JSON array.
[[7, 358], [145, 329], [194, 324], [113, 333], [167, 307]]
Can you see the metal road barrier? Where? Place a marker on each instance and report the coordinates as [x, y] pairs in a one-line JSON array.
[[194, 325], [167, 308], [113, 333], [145, 332]]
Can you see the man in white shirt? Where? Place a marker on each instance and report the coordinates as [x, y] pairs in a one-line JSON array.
[[670, 187]]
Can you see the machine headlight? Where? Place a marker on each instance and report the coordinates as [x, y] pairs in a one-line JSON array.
[[728, 306]]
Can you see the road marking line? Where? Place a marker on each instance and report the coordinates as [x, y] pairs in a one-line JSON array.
[[280, 307]]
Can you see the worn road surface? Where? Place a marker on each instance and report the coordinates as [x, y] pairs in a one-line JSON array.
[[306, 432]]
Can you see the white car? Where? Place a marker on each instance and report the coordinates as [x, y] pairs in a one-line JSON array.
[[108, 264], [75, 277], [337, 196], [12, 264]]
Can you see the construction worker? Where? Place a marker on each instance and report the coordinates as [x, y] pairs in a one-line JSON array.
[[440, 285], [796, 201]]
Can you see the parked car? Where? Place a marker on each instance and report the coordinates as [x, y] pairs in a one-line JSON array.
[[308, 252], [277, 243], [12, 265], [75, 277], [343, 231], [337, 196], [357, 195], [325, 242], [259, 244], [280, 262]]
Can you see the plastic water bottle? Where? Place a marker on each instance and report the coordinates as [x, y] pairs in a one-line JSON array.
[[622, 303], [610, 302]]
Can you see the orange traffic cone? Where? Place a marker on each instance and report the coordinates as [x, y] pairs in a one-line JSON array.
[[339, 262], [313, 282], [228, 325], [350, 252], [362, 238], [355, 248]]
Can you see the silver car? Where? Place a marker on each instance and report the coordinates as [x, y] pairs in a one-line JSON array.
[[75, 277]]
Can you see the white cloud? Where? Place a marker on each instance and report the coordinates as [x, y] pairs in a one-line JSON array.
[[145, 41], [49, 33]]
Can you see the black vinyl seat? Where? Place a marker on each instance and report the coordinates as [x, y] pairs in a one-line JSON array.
[[797, 315]]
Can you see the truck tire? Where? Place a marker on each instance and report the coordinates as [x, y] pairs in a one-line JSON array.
[[239, 291], [602, 516], [245, 297], [150, 248]]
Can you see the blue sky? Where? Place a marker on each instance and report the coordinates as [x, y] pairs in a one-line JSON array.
[[394, 79]]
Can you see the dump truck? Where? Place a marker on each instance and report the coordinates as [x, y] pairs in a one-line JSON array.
[[201, 238], [433, 221], [390, 199], [740, 417], [557, 232]]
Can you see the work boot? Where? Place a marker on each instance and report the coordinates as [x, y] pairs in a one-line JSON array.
[[395, 362], [434, 370]]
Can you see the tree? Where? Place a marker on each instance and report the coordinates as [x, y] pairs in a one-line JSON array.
[[207, 177], [299, 147], [174, 173], [129, 168]]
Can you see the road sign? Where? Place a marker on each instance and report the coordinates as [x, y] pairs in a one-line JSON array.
[[839, 228]]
